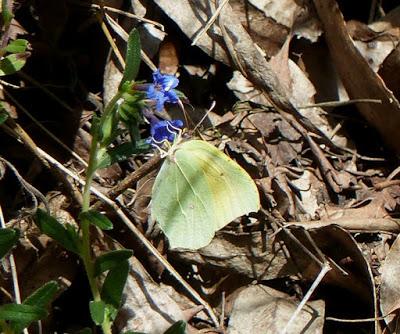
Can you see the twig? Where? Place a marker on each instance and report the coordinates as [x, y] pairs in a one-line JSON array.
[[340, 103], [210, 22], [318, 280], [139, 235], [127, 14], [48, 92], [111, 41], [49, 133], [30, 189], [16, 130], [13, 267], [366, 225], [393, 174], [124, 35]]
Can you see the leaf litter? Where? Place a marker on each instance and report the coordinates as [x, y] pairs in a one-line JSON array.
[[322, 250]]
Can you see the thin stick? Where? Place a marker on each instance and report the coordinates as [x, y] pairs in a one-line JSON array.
[[47, 91], [112, 43], [393, 174], [210, 22], [127, 14], [340, 103], [13, 267], [124, 35], [139, 235], [43, 128], [357, 320], [205, 115], [318, 280]]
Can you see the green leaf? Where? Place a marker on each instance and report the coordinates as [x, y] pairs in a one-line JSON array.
[[96, 218], [6, 14], [111, 260], [66, 236], [131, 332], [120, 153], [109, 127], [199, 190], [111, 312], [132, 58], [17, 46], [114, 284], [97, 311], [12, 63], [177, 328], [8, 238], [21, 313], [3, 114], [40, 298], [85, 331]]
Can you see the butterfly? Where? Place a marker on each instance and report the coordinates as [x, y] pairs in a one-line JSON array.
[[198, 191]]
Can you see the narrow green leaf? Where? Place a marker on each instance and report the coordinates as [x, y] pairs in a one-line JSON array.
[[114, 284], [6, 13], [12, 63], [120, 153], [132, 58], [67, 237], [86, 330], [21, 313], [8, 238], [17, 46], [178, 327], [109, 127], [131, 332], [97, 311], [96, 218], [111, 260], [40, 298], [3, 114]]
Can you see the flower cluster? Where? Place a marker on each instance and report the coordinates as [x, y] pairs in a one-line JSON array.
[[162, 91]]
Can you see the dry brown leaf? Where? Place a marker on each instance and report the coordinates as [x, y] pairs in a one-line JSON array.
[[250, 254], [378, 204], [191, 18], [390, 286], [262, 310], [295, 15], [338, 245], [146, 306], [358, 78]]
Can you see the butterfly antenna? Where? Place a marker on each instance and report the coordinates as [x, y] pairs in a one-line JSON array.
[[205, 115], [177, 132]]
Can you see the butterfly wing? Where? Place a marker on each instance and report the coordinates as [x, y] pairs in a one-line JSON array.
[[198, 191]]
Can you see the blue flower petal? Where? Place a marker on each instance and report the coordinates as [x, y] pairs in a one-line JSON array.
[[171, 96], [162, 89], [165, 130]]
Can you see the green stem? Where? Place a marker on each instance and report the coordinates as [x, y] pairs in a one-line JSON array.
[[85, 224]]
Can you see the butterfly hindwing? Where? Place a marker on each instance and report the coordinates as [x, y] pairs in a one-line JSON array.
[[198, 191]]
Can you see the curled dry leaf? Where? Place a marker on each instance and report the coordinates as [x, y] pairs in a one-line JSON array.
[[358, 78], [295, 15], [146, 306], [390, 284], [250, 254], [350, 272], [260, 310]]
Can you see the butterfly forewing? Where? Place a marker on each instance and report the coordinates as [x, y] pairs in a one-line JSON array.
[[198, 191]]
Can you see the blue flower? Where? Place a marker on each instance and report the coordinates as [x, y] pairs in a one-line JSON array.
[[165, 130], [162, 89]]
